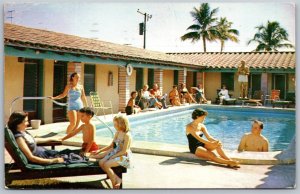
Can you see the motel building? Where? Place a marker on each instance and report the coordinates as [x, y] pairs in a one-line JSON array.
[[39, 63]]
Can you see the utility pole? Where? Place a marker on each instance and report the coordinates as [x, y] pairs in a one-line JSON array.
[[146, 18], [11, 15]]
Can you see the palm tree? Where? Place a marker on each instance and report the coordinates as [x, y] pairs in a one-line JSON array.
[[225, 32], [203, 26], [271, 37]]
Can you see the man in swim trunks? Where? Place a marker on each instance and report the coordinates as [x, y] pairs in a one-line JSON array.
[[243, 72], [254, 141]]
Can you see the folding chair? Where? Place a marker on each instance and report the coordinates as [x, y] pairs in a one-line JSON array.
[[98, 104]]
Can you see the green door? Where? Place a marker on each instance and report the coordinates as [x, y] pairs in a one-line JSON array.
[[150, 77], [33, 87], [255, 83], [139, 79], [279, 83], [59, 83]]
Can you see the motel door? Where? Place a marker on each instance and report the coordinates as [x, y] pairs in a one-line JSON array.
[[33, 82], [255, 83], [139, 79], [59, 83], [150, 78], [279, 83]]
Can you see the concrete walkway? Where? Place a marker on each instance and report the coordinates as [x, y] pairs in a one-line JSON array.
[[169, 172], [161, 172]]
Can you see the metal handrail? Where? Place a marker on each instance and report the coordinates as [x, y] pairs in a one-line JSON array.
[[55, 102], [33, 98]]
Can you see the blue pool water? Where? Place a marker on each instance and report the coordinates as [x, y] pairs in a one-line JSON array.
[[225, 125]]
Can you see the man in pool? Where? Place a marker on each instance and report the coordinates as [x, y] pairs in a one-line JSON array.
[[254, 141]]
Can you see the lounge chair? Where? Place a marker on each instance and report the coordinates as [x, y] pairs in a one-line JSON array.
[[228, 101], [21, 169], [275, 99], [98, 104], [257, 98]]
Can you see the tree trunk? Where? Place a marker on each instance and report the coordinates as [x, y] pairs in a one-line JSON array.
[[222, 46], [204, 43]]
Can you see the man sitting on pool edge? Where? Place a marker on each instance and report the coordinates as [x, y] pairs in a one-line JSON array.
[[254, 141]]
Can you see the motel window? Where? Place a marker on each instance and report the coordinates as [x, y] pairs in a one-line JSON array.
[[89, 79], [228, 80]]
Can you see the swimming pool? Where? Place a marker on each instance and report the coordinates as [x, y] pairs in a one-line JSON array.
[[227, 125]]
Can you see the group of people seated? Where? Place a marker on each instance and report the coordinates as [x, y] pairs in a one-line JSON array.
[[153, 98]]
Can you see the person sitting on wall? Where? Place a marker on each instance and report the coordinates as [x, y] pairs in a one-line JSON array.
[[158, 95], [153, 101], [223, 94], [254, 141], [205, 147], [185, 95], [200, 97], [174, 97], [144, 97], [131, 107]]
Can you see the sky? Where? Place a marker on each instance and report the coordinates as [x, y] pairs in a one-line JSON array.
[[118, 22]]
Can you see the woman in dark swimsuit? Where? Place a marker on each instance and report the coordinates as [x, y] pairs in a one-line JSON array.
[[201, 147]]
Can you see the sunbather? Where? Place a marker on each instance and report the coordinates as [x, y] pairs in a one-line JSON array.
[[204, 148], [131, 107], [158, 95], [88, 131], [185, 95], [17, 123], [174, 97], [118, 152], [223, 94], [200, 97], [150, 97]]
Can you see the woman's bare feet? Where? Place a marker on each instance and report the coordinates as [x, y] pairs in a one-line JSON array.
[[234, 164], [117, 183]]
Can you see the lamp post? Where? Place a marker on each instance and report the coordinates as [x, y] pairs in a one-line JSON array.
[[143, 26]]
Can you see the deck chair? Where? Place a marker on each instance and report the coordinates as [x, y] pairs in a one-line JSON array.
[[257, 98], [21, 169], [99, 105], [275, 99]]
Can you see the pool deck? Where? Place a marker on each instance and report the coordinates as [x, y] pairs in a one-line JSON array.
[[177, 168]]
